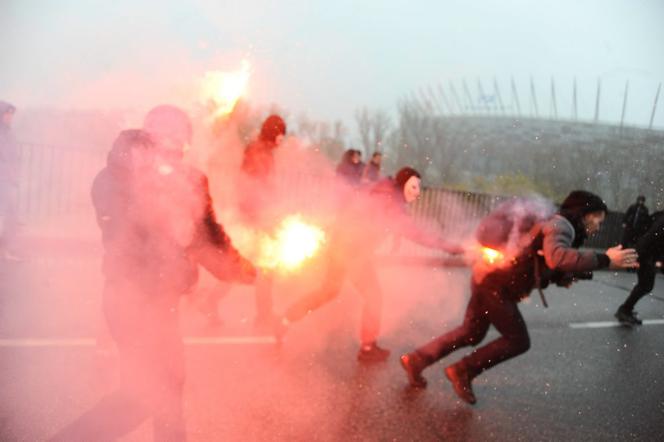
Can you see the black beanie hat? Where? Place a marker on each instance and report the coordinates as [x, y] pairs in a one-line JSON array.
[[273, 126], [581, 202], [403, 175]]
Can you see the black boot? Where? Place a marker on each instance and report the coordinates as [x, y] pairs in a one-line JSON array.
[[372, 353], [460, 379], [413, 363], [626, 317]]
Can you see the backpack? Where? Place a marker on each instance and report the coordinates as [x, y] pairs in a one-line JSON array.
[[510, 237]]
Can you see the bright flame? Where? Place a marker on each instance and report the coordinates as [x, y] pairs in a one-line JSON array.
[[491, 256], [294, 242], [221, 90]]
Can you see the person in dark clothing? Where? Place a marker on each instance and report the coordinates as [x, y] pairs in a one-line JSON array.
[[659, 259], [257, 187], [258, 158], [635, 222], [650, 249], [350, 168], [9, 182], [371, 172], [353, 239], [494, 296], [157, 225]]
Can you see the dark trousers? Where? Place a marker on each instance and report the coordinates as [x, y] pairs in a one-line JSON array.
[[484, 308], [364, 278], [145, 329], [645, 283]]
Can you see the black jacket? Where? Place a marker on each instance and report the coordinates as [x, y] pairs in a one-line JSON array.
[[157, 227], [651, 244], [637, 218]]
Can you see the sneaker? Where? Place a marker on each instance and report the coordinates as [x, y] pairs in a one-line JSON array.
[[627, 318], [414, 364], [372, 353], [460, 379]]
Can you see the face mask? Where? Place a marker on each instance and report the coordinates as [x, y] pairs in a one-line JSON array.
[[411, 190]]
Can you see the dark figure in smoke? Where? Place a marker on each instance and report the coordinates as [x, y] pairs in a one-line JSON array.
[[494, 296], [157, 225], [635, 222], [350, 167], [9, 170], [371, 172], [353, 240], [650, 248], [257, 189]]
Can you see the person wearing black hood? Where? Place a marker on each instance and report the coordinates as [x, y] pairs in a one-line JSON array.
[[350, 167], [650, 248], [494, 298], [355, 225], [157, 226], [256, 186], [9, 181]]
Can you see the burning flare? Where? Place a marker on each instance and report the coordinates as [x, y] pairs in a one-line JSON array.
[[491, 256], [222, 90], [286, 249], [294, 242]]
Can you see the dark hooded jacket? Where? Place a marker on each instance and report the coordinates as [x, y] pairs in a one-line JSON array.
[[651, 244], [156, 227], [9, 153], [637, 218], [258, 158], [349, 171], [552, 254]]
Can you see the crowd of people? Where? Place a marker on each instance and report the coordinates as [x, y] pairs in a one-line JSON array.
[[158, 226]]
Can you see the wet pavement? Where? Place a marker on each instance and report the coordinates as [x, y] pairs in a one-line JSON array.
[[584, 378]]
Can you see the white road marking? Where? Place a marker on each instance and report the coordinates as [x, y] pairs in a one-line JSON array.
[[608, 324], [90, 342]]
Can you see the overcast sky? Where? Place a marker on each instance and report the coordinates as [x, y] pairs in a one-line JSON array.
[[329, 58]]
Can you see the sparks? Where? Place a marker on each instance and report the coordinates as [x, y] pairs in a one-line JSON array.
[[294, 242], [221, 90], [491, 256]]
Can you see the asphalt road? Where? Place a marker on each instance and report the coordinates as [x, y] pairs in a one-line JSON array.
[[585, 378]]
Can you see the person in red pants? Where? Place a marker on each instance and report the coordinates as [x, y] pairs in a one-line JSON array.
[[356, 234]]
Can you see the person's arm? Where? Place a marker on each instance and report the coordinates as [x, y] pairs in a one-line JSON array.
[[406, 226], [222, 259], [559, 254]]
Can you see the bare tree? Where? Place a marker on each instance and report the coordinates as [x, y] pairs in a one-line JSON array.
[[373, 128]]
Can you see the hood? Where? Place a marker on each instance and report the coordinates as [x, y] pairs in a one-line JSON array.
[[119, 159]]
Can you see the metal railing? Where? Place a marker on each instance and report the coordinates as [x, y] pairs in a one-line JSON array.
[[56, 181]]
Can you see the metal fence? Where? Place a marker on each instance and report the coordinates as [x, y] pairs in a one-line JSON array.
[[56, 182]]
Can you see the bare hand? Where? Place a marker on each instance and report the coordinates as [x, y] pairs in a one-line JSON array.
[[622, 258]]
